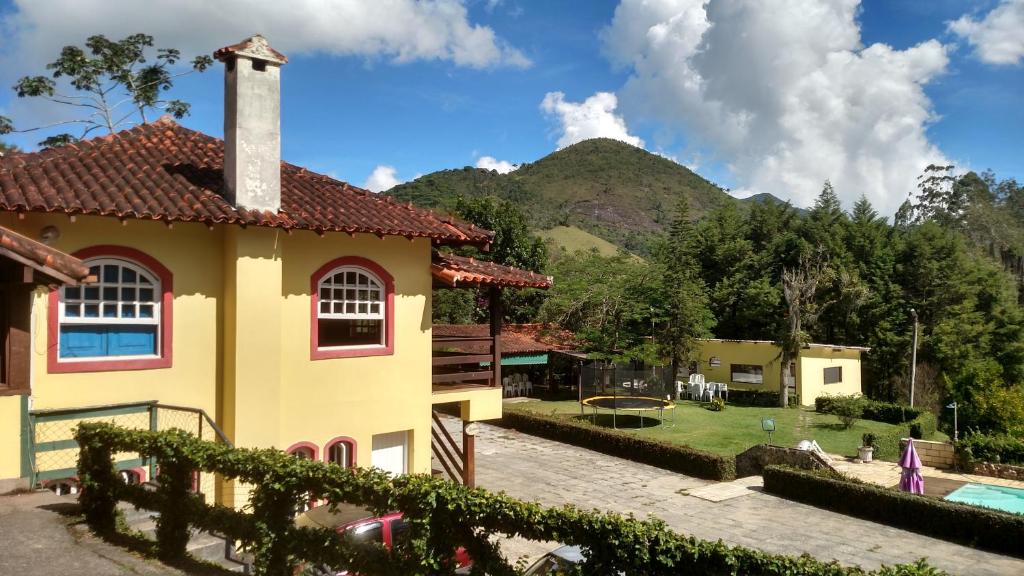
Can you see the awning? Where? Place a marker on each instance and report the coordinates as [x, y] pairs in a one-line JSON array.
[[48, 261], [522, 360], [454, 271]]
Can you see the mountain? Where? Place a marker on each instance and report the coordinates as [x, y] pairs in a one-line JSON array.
[[603, 187]]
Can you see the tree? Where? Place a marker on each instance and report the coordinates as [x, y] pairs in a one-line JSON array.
[[681, 308], [603, 300], [111, 83], [799, 288], [6, 149], [513, 245]]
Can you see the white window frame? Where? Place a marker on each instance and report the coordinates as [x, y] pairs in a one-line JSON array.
[[374, 284], [82, 320]]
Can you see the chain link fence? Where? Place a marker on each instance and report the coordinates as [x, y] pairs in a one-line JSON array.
[[54, 452]]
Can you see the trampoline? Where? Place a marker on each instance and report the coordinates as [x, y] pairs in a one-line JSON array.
[[637, 404]]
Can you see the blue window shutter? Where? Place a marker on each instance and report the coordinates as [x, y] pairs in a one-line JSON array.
[[104, 341], [82, 341], [131, 340]]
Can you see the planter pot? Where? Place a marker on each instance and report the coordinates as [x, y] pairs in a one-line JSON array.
[[864, 452]]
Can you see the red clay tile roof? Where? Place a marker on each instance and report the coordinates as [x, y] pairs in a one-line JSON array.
[[49, 261], [452, 270], [515, 338], [255, 46], [163, 171]]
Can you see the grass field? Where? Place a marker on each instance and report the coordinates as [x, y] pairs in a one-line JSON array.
[[735, 429], [572, 239]]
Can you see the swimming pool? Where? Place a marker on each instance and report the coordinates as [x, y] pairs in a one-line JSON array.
[[1001, 497]]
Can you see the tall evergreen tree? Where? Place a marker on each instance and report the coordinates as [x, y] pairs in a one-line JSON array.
[[681, 310]]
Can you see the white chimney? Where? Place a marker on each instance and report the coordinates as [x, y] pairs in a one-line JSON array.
[[252, 123]]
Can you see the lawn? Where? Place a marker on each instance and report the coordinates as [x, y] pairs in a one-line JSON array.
[[735, 429]]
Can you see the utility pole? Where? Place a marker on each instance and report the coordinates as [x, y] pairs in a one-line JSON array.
[[913, 359]]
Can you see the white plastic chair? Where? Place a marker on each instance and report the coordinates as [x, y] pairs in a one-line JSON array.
[[528, 387], [723, 391], [708, 391], [506, 386]]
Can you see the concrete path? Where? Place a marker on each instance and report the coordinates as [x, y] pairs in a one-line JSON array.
[[37, 537], [552, 473]]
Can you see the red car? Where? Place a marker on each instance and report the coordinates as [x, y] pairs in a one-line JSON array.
[[363, 527]]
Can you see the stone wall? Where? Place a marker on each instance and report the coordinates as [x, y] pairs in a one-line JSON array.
[[994, 470], [753, 460], [934, 454]]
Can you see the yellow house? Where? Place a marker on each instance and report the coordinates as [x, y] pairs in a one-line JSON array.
[[819, 370], [235, 296]]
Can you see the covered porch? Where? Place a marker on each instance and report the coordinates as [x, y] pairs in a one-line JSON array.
[[467, 366]]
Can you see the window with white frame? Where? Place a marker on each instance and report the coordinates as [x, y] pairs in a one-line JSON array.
[[117, 316], [350, 309]]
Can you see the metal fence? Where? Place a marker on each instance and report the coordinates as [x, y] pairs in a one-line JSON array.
[[54, 451], [606, 379]]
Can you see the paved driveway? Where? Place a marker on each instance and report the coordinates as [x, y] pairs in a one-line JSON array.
[[552, 473]]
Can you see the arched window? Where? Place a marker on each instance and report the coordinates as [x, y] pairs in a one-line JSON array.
[[341, 451], [120, 321], [303, 451], [352, 309]]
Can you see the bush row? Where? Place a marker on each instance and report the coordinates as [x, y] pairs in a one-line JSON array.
[[997, 531], [578, 431], [888, 412], [442, 516], [759, 398], [999, 449]]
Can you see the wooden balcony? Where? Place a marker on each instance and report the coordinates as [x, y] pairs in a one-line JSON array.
[[469, 361]]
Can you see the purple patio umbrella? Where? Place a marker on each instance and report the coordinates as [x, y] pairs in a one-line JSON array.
[[911, 480]]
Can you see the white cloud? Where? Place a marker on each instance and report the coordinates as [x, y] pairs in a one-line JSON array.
[[783, 92], [399, 30], [492, 163], [998, 38], [382, 178], [595, 117]]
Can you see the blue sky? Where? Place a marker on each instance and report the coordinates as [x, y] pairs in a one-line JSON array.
[[864, 94]]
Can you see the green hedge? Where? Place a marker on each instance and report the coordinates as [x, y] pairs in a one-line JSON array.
[[760, 398], [997, 531], [888, 412], [571, 430], [912, 422], [999, 449], [442, 516], [887, 445]]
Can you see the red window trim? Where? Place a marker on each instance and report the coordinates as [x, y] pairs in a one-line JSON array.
[[352, 445], [315, 353], [310, 445], [53, 363]]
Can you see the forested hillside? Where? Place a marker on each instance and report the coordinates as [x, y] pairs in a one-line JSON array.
[[607, 188]]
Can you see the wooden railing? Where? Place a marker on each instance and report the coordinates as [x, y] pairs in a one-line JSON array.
[[453, 365]]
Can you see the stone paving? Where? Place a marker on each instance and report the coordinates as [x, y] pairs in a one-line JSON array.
[[552, 473], [888, 473], [38, 539]]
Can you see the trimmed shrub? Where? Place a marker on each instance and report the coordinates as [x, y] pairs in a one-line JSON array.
[[758, 398], [674, 457], [848, 409], [888, 412], [887, 445], [998, 449], [716, 404], [990, 529]]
